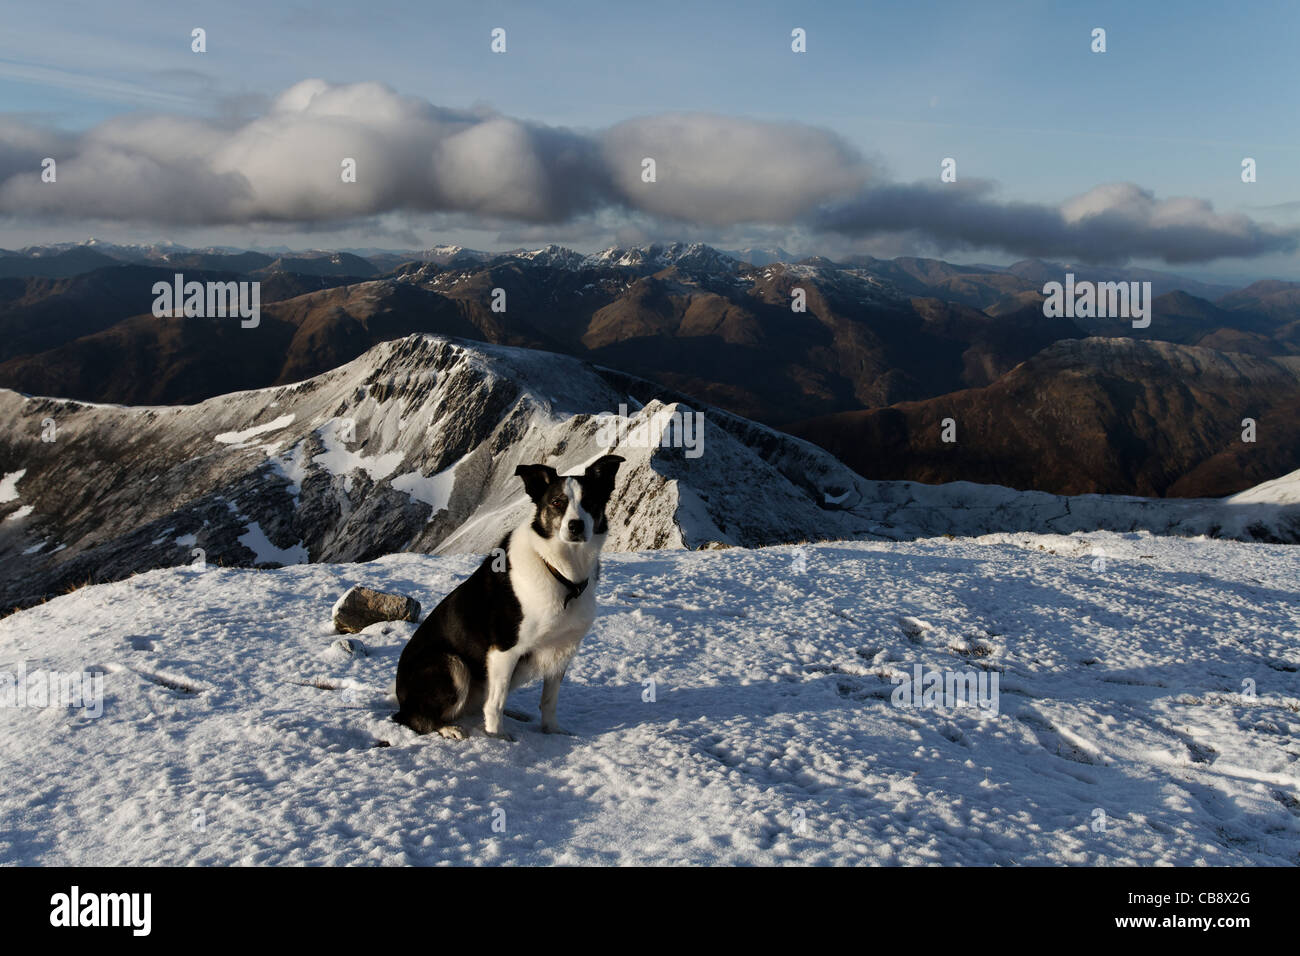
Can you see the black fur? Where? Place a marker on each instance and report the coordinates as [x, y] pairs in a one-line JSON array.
[[597, 485], [539, 482], [483, 612]]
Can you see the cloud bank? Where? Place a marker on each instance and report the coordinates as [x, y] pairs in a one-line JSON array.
[[1112, 221], [712, 172]]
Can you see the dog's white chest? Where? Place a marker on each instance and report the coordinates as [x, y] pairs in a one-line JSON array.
[[549, 640], [550, 625], [550, 629]]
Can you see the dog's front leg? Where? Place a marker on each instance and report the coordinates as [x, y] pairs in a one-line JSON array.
[[500, 667], [550, 696]]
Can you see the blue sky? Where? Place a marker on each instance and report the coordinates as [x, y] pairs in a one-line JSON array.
[[1011, 90]]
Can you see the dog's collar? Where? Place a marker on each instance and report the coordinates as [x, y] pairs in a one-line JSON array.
[[573, 590]]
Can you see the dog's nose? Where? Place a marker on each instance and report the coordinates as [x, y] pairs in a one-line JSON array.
[[577, 528]]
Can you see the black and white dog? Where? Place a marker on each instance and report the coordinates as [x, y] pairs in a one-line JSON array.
[[519, 616]]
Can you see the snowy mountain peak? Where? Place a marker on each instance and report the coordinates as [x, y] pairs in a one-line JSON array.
[[553, 256], [413, 446], [695, 257]]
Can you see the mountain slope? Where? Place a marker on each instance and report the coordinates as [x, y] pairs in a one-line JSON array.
[[685, 315], [413, 447], [1114, 416], [57, 265], [146, 360], [40, 316]]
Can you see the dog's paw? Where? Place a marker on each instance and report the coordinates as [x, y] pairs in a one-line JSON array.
[[557, 729], [502, 735], [451, 732]]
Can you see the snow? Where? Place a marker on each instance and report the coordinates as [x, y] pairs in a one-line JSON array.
[[236, 438], [339, 460], [9, 485], [1127, 731], [255, 540], [21, 513], [292, 466], [433, 490], [1279, 491]]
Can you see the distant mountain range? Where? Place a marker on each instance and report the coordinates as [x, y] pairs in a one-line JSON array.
[[884, 353], [1116, 416]]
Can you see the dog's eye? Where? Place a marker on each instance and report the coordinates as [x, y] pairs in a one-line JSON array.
[[557, 504]]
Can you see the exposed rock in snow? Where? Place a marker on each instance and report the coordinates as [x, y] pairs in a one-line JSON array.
[[347, 647], [693, 257], [361, 606]]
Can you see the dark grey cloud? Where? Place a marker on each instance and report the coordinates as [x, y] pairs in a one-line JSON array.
[[1113, 222], [279, 162], [23, 145]]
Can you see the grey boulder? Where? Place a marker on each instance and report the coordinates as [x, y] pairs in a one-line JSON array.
[[362, 606]]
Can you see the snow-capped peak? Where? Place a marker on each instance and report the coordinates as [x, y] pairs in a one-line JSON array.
[[695, 256]]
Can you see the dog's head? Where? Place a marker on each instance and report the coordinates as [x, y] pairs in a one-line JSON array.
[[571, 508]]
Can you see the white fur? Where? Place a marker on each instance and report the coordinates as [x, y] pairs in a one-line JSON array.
[[575, 512], [549, 631]]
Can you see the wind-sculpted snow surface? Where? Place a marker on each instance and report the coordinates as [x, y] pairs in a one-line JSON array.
[[413, 447], [731, 706]]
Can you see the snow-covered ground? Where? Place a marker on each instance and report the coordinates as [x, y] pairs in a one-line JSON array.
[[1148, 711]]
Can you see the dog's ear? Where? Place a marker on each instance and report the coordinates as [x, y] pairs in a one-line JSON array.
[[537, 478], [603, 469]]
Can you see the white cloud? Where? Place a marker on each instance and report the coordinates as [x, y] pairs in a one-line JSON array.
[[714, 173]]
